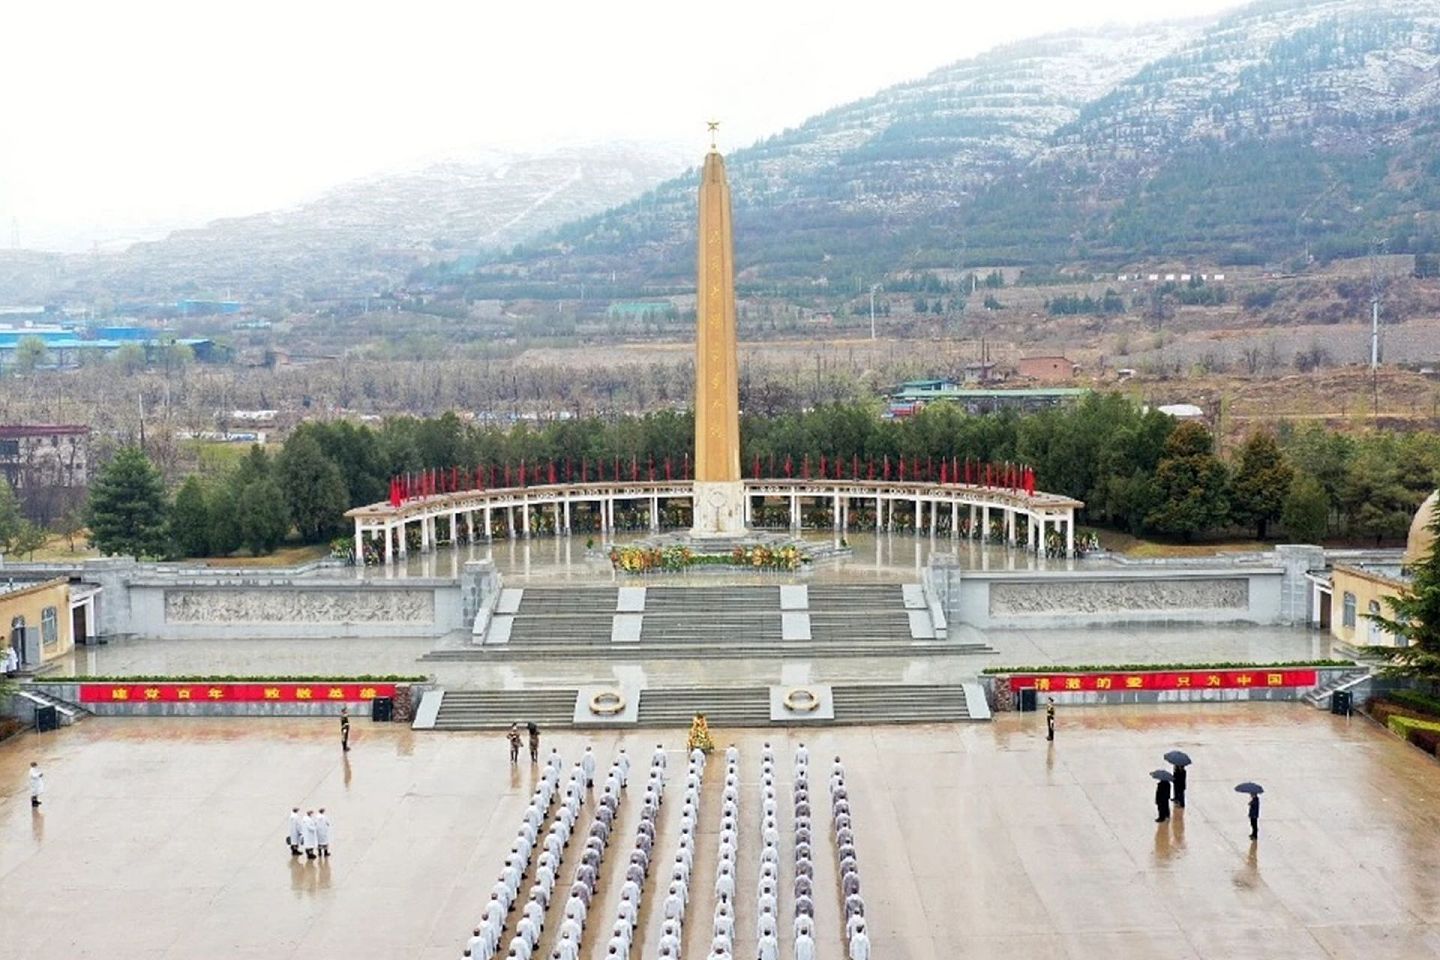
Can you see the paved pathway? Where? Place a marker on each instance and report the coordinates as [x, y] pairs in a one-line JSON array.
[[160, 838]]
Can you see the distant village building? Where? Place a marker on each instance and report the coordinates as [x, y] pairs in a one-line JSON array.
[[47, 465], [46, 617], [913, 396], [1051, 369], [1182, 411]]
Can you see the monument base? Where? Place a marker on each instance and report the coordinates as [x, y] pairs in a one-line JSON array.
[[719, 509]]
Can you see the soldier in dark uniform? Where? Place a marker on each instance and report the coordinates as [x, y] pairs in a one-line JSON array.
[[1254, 816], [344, 728], [1179, 774], [1050, 718], [1162, 801]]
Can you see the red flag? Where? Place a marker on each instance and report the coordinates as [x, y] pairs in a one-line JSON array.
[[805, 468], [944, 473], [755, 472], [902, 469], [870, 473], [552, 473], [789, 466]]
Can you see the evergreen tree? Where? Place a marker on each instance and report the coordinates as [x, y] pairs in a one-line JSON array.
[[222, 505], [11, 520], [1190, 484], [127, 509], [1415, 619], [190, 521], [314, 489], [1261, 483], [263, 520], [1306, 512]]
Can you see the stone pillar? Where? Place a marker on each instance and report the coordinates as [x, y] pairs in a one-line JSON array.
[[954, 518], [985, 524], [427, 533], [835, 511], [1009, 527], [359, 543], [525, 518], [972, 518], [470, 524], [795, 512], [1039, 535], [510, 522], [879, 514], [389, 543], [454, 527], [654, 514], [567, 513], [934, 515], [402, 541], [488, 535], [919, 516], [1070, 534]]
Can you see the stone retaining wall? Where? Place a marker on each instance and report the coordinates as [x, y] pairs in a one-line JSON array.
[[70, 693], [1001, 698]]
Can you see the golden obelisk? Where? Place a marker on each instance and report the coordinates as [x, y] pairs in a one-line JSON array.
[[719, 491]]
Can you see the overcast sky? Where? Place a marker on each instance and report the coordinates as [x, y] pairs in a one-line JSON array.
[[124, 118]]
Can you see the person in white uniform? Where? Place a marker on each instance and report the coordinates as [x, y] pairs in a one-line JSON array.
[[307, 832], [322, 833], [804, 947], [587, 766], [860, 945], [295, 838]]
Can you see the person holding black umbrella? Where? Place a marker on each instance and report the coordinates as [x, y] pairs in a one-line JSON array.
[[1162, 795], [1254, 789], [1178, 761]]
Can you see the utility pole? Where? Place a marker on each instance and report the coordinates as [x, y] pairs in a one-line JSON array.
[[873, 288]]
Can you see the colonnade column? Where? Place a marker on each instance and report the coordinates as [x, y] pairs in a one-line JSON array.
[[389, 543], [427, 533], [879, 504], [567, 514], [795, 523], [919, 516], [934, 517], [402, 541], [488, 535], [835, 511], [954, 519], [359, 544], [654, 514], [1009, 527], [470, 525], [1070, 534], [1039, 535], [985, 523]]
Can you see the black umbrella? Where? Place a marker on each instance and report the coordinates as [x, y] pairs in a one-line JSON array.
[[1178, 757], [1165, 775], [1248, 787]]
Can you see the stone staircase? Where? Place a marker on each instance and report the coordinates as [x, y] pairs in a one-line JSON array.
[[674, 707], [32, 697], [722, 622], [497, 709], [908, 703], [722, 706], [1320, 696]]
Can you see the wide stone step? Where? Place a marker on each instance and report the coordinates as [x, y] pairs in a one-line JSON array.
[[732, 706], [899, 703], [494, 709], [712, 650]]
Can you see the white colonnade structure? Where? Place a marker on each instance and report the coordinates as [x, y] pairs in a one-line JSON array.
[[997, 513]]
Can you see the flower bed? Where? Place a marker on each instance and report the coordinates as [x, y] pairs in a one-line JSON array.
[[759, 557]]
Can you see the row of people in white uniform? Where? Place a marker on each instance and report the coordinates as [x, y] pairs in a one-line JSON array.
[[723, 935], [485, 939], [677, 891], [859, 939], [804, 866]]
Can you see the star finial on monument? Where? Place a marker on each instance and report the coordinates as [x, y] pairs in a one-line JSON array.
[[714, 126]]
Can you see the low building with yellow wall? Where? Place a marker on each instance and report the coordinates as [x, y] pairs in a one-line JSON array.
[[1358, 591], [40, 619]]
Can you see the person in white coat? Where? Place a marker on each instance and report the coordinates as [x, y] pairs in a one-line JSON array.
[[322, 833], [860, 945], [295, 838], [804, 947], [587, 767], [768, 948], [307, 833], [37, 784]]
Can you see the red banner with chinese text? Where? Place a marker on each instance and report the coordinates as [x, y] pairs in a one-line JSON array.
[[233, 692], [1179, 680]]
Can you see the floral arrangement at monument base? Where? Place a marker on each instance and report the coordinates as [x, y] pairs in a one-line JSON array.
[[699, 738]]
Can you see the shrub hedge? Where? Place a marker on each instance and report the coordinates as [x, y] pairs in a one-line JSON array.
[[1425, 734], [1423, 702]]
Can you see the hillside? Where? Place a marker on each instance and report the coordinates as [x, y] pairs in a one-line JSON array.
[[1277, 131], [358, 237]]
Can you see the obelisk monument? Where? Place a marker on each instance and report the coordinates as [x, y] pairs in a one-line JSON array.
[[719, 491]]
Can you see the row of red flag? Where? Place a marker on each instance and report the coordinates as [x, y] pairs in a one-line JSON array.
[[425, 483]]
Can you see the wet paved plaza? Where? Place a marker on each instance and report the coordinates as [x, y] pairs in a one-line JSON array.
[[163, 838]]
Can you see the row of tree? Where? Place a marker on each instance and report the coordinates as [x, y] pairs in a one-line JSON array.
[[1138, 470]]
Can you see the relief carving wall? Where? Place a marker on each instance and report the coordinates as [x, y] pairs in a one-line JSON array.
[[1118, 596], [299, 606]]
